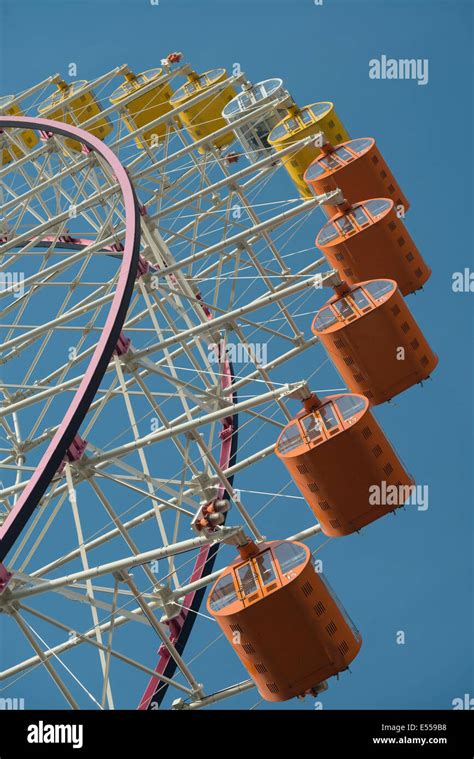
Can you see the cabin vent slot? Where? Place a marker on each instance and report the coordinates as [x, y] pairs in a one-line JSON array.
[[343, 648], [273, 687], [307, 588], [331, 628]]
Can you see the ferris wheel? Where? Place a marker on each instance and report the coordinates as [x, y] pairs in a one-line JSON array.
[[154, 315]]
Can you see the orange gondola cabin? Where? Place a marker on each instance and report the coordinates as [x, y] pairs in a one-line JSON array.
[[373, 339], [343, 464], [283, 621], [358, 168], [369, 241]]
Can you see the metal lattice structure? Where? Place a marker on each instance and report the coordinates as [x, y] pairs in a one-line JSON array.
[[123, 412]]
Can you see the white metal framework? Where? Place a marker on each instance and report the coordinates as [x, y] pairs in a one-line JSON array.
[[103, 566]]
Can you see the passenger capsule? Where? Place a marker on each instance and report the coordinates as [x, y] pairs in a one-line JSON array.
[[72, 106], [310, 120], [203, 118], [373, 340], [283, 621], [343, 464], [27, 137], [358, 169], [369, 241], [146, 106], [253, 135]]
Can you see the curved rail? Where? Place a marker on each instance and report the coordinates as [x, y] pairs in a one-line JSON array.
[[181, 626], [53, 456]]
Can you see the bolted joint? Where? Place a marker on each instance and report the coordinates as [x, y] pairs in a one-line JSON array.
[[171, 609], [227, 431], [123, 345], [143, 267], [74, 453], [5, 577]]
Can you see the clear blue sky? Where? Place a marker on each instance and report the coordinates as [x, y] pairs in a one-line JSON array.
[[412, 572]]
